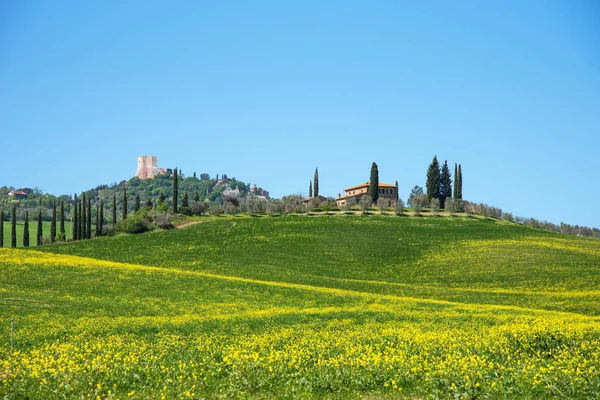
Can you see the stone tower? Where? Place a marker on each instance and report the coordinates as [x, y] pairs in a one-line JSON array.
[[147, 167]]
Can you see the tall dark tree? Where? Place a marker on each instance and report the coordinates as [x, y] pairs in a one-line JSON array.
[[316, 183], [460, 182], [26, 230], [196, 196], [137, 202], [124, 204], [374, 183], [79, 219], [455, 181], [148, 203], [433, 180], [1, 228], [97, 234], [53, 223], [40, 232], [114, 210], [184, 201], [445, 185], [83, 218], [101, 220], [63, 234], [13, 226], [175, 193], [397, 191], [88, 228], [310, 191], [161, 198], [75, 220]]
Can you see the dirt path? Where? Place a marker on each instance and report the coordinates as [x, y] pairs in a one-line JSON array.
[[188, 224]]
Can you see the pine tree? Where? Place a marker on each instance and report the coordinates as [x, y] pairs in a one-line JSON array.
[[89, 218], [1, 228], [196, 196], [184, 201], [124, 204], [13, 225], [26, 230], [310, 193], [40, 232], [137, 202], [114, 210], [63, 234], [101, 220], [373, 190], [75, 221], [445, 185], [433, 180], [53, 223], [316, 183], [175, 194]]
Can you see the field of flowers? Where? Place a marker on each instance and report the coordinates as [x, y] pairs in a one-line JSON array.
[[303, 307]]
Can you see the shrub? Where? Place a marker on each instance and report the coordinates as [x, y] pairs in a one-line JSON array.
[[135, 223], [216, 209], [419, 201], [449, 203], [199, 207], [435, 205], [163, 220], [382, 204], [185, 210], [256, 205], [292, 203], [275, 207], [230, 208], [399, 208], [365, 203]]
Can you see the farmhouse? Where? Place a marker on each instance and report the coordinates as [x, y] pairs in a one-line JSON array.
[[18, 194], [386, 191]]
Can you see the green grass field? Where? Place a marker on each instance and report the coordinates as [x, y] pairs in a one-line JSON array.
[[32, 232], [305, 307]]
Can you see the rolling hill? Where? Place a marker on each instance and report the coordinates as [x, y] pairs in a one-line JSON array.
[[306, 306]]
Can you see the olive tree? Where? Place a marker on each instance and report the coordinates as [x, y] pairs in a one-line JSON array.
[[365, 203], [399, 208]]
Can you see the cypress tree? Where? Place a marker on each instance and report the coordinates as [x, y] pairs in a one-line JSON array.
[[53, 223], [124, 204], [97, 221], [89, 218], [310, 193], [77, 228], [26, 230], [455, 192], [114, 210], [63, 234], [161, 198], [184, 201], [1, 228], [316, 183], [373, 190], [101, 220], [433, 180], [196, 196], [137, 202], [13, 231], [83, 218], [40, 231], [75, 221], [148, 203], [445, 185], [175, 194], [459, 186], [397, 192]]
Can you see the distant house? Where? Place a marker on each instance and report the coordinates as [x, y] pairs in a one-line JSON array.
[[18, 194], [386, 191]]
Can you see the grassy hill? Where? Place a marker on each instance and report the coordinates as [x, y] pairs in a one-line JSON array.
[[306, 306], [32, 231]]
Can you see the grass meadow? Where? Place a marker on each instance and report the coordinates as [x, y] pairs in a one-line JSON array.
[[305, 307]]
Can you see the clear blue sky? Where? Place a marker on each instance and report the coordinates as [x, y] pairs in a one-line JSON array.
[[267, 91]]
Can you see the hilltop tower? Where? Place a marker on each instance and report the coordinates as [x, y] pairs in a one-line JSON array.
[[148, 167]]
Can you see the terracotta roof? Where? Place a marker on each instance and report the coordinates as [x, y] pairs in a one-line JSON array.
[[384, 185], [17, 192]]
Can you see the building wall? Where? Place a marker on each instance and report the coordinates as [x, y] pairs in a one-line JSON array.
[[147, 167]]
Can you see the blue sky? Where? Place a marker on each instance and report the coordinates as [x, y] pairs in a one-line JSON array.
[[267, 91]]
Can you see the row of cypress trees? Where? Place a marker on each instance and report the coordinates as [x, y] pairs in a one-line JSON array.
[[439, 182], [40, 233]]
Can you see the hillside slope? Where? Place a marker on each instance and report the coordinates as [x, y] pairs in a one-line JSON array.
[[305, 307]]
